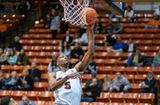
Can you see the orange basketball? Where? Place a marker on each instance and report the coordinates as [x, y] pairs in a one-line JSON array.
[[91, 16]]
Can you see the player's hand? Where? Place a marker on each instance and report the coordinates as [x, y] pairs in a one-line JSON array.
[[74, 75]]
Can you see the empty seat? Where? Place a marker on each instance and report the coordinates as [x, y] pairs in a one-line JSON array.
[[131, 97], [46, 96], [146, 98], [40, 86], [5, 93]]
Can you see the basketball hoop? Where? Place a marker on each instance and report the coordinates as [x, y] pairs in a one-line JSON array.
[[75, 11]]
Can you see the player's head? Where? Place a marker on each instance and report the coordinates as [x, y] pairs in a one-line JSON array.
[[62, 61]]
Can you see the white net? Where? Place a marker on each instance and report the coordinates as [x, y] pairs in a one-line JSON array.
[[75, 11]]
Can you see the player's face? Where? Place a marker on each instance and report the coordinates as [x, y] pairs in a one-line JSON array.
[[62, 61]]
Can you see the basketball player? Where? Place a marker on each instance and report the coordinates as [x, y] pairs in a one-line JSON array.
[[67, 84]]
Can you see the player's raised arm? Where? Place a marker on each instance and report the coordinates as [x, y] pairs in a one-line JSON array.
[[89, 54]]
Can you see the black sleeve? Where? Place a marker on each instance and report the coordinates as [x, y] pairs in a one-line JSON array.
[[72, 53], [135, 47], [70, 39], [2, 82], [95, 66], [29, 81], [100, 85], [63, 39], [81, 51], [141, 58], [126, 47], [19, 82], [29, 70], [153, 84], [39, 73], [96, 92], [87, 85]]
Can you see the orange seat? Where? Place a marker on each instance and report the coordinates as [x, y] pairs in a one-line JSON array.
[[33, 95], [6, 68], [150, 54], [113, 54], [146, 98], [135, 87], [100, 55], [44, 77], [39, 30], [5, 93], [40, 61], [130, 77], [18, 68], [40, 86], [85, 103], [131, 70], [131, 97], [144, 70], [143, 104], [17, 95], [101, 49], [36, 36], [46, 96], [41, 103], [99, 62], [138, 78], [85, 77], [43, 68], [118, 69], [105, 70], [50, 103], [100, 76], [104, 97], [116, 97], [97, 103], [109, 62]]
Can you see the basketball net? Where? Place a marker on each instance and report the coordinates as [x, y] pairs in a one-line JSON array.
[[75, 11]]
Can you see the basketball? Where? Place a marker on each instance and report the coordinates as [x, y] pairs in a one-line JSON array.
[[91, 16]]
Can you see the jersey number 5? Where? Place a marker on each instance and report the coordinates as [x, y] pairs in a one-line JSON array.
[[67, 85]]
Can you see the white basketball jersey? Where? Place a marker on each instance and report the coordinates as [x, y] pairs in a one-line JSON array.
[[70, 92]]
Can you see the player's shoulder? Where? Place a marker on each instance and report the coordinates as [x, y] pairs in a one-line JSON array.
[[59, 74]]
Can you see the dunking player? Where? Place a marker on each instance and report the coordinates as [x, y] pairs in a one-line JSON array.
[[68, 85]]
